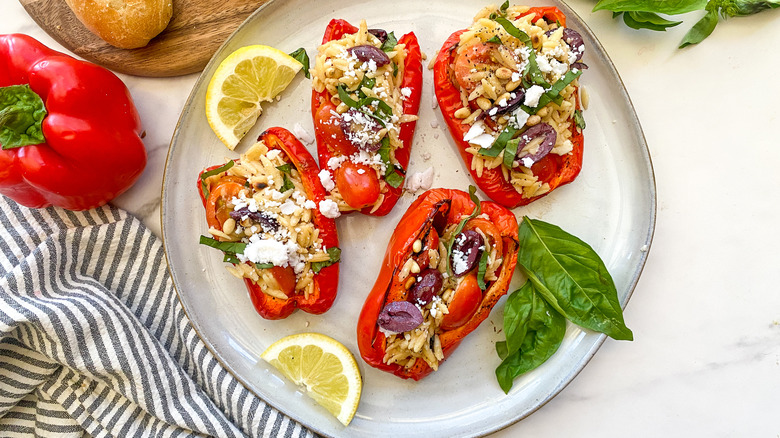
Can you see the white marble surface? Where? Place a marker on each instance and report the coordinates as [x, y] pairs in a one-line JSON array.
[[706, 311]]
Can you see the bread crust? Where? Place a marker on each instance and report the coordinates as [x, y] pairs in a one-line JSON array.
[[127, 24]]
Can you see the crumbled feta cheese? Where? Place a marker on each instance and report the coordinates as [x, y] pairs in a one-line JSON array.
[[288, 207], [420, 180], [329, 209], [477, 135], [532, 95], [459, 262], [302, 134], [335, 162], [406, 92], [326, 180], [310, 205], [518, 119], [264, 251]]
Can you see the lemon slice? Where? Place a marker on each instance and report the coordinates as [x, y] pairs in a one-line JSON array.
[[249, 76], [323, 368]]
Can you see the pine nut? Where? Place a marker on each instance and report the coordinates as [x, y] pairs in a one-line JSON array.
[[533, 120], [417, 246], [462, 113], [229, 226], [512, 86], [484, 103], [503, 73], [415, 268]]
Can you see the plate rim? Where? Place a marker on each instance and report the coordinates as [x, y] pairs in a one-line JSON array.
[[601, 338]]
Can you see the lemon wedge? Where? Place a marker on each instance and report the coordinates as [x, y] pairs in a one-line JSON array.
[[247, 77], [323, 368]]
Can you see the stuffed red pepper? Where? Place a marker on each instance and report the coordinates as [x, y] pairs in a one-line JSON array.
[[508, 89], [448, 262], [268, 213], [366, 93]]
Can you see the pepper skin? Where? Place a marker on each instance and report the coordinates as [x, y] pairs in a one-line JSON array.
[[412, 80], [326, 280], [93, 149], [553, 169], [436, 208]]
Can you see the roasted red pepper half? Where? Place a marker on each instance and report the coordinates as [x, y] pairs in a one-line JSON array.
[[553, 169], [440, 223], [70, 134], [218, 189], [358, 184]]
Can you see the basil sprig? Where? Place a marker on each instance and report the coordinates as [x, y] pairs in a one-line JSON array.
[[566, 280], [301, 56], [21, 117], [643, 14], [334, 253], [213, 172]]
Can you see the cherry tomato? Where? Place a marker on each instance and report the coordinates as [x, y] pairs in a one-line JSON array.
[[357, 183], [217, 209], [329, 127], [489, 229], [474, 59], [285, 279], [464, 303]]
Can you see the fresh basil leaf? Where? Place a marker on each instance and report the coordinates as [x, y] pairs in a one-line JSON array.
[[483, 259], [394, 179], [534, 332], [389, 43], [395, 70], [702, 29], [495, 40], [301, 56], [264, 265], [474, 213], [503, 8], [231, 258], [213, 172], [286, 184], [381, 105], [367, 82], [571, 277], [346, 98], [668, 7], [579, 120], [742, 8], [510, 152], [21, 117], [647, 20], [384, 153], [334, 253], [228, 247], [500, 143]]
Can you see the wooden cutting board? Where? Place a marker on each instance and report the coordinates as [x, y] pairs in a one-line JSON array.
[[196, 30]]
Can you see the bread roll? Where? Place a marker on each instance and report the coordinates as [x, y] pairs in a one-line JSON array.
[[127, 24]]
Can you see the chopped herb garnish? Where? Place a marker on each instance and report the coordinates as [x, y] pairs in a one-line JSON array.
[[395, 70], [286, 169], [213, 172], [510, 152], [231, 248], [483, 259], [579, 120], [301, 56], [389, 43], [334, 253], [394, 179], [264, 265], [495, 40], [532, 70], [231, 258], [346, 98], [500, 143]]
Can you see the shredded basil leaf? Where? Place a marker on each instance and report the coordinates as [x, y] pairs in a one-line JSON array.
[[231, 258], [346, 98], [553, 94], [213, 172], [483, 259], [285, 168], [389, 43], [394, 179], [232, 248], [495, 40], [395, 70], [264, 265], [21, 117], [510, 152], [500, 143], [579, 120], [334, 253], [301, 56]]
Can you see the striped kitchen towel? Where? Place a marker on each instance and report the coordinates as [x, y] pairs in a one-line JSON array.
[[94, 341]]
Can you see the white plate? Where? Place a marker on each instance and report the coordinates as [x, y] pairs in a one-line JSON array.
[[611, 206]]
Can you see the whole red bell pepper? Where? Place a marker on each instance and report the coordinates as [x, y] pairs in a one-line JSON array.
[[553, 169], [70, 134], [332, 143], [216, 189], [425, 220]]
